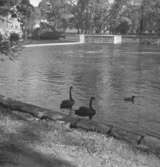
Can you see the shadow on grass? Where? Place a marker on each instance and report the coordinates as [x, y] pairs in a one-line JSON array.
[[15, 147], [19, 155]]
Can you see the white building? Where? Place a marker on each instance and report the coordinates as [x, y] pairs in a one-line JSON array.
[[9, 25]]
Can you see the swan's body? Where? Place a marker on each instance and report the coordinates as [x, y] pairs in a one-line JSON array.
[[86, 111], [129, 99], [67, 104]]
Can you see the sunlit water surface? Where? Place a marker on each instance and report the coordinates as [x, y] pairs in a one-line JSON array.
[[42, 76]]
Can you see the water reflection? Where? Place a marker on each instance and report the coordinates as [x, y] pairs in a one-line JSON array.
[[109, 72]]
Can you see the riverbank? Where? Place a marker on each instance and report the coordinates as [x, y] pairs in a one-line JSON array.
[[44, 140], [153, 40]]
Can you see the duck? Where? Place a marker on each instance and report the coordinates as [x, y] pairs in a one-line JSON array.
[[84, 111], [129, 99], [140, 140], [68, 103]]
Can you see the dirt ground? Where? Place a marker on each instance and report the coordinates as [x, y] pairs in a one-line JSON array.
[[25, 141]]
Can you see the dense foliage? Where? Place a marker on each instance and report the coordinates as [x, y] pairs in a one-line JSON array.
[[24, 12], [51, 35], [99, 16], [56, 12], [20, 9], [14, 38], [90, 16]]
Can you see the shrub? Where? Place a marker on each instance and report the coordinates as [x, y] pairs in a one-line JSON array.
[[122, 28], [51, 35], [14, 37], [4, 47], [35, 33]]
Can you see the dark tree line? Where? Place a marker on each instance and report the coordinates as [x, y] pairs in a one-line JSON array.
[[91, 16], [99, 16]]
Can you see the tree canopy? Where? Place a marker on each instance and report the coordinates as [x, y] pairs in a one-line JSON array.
[[6, 5], [93, 16], [56, 12]]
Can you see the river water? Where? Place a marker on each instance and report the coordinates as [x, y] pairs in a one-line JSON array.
[[42, 76]]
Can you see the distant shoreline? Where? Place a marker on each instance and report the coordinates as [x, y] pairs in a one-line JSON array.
[[51, 44]]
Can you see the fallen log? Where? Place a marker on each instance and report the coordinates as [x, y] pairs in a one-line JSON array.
[[31, 109]]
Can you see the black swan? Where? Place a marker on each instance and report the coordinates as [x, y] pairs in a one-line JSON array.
[[67, 104], [86, 111], [140, 140], [129, 99]]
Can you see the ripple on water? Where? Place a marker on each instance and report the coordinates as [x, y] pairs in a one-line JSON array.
[[108, 72]]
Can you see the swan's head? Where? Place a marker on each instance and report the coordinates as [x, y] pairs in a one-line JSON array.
[[71, 87], [93, 98], [133, 97]]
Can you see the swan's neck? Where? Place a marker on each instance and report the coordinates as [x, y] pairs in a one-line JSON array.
[[90, 103], [70, 94]]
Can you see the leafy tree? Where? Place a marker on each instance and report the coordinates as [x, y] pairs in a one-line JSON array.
[[82, 15], [22, 9], [100, 13], [143, 15], [56, 12], [90, 16], [24, 13], [6, 5], [98, 16], [151, 16]]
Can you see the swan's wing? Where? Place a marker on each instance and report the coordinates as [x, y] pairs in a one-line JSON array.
[[65, 104]]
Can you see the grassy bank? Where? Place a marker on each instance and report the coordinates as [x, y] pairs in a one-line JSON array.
[[26, 141]]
